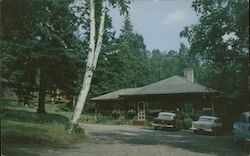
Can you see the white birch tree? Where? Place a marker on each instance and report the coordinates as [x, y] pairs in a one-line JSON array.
[[95, 45], [93, 54]]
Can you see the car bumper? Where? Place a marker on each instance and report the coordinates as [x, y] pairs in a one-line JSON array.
[[202, 129], [166, 126]]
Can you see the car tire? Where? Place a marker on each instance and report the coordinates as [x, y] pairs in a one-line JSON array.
[[156, 127]]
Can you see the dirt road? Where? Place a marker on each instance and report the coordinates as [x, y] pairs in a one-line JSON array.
[[126, 140]]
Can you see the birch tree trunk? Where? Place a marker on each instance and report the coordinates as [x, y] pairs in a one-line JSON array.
[[100, 35], [91, 63]]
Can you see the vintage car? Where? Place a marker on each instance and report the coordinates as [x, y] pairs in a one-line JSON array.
[[165, 120], [207, 123], [241, 129]]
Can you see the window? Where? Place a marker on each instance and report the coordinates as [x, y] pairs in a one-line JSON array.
[[218, 121], [166, 116], [187, 108], [206, 119]]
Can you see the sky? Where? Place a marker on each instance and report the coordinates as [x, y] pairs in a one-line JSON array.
[[158, 21]]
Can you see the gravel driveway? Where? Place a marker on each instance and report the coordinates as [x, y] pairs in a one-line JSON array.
[[124, 140]]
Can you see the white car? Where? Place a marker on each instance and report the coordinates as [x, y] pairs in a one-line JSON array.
[[207, 123], [241, 129]]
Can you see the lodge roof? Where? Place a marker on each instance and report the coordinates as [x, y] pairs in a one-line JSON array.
[[115, 95], [173, 85]]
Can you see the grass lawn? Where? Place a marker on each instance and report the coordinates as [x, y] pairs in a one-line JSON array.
[[33, 133], [23, 125]]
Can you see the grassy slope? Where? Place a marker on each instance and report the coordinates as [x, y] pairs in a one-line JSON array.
[[21, 132], [23, 125]]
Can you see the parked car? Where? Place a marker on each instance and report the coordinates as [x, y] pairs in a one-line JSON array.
[[165, 120], [207, 123], [241, 129]]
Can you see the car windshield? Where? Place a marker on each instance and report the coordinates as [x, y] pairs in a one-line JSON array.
[[166, 116], [206, 119]]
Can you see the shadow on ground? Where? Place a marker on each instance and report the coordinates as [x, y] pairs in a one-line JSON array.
[[30, 149], [215, 145]]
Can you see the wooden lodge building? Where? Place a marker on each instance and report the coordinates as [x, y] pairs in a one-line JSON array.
[[173, 94]]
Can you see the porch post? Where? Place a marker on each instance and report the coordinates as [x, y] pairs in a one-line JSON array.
[[144, 109], [212, 106], [137, 103], [95, 111]]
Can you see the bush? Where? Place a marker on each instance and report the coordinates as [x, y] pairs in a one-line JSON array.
[[187, 123], [131, 114], [100, 119], [115, 114]]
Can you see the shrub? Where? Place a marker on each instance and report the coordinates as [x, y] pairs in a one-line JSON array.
[[115, 114], [100, 119], [149, 123], [187, 123], [131, 114]]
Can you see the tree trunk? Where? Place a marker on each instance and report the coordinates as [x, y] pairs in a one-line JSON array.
[[91, 63], [100, 35], [42, 92]]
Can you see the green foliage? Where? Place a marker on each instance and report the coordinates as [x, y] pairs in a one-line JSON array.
[[130, 60], [100, 119], [34, 133], [187, 123], [38, 38], [185, 120], [131, 115], [30, 117], [23, 125], [220, 41], [123, 5], [115, 114]]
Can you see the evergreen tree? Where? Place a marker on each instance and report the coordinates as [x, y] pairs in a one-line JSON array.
[[131, 58], [38, 41]]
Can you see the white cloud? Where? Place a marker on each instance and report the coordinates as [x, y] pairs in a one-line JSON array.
[[174, 17]]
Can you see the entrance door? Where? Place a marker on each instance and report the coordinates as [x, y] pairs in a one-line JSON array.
[[141, 110]]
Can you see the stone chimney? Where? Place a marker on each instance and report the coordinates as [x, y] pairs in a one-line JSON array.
[[189, 74]]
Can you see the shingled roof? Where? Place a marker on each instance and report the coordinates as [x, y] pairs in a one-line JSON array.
[[115, 95], [173, 85]]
